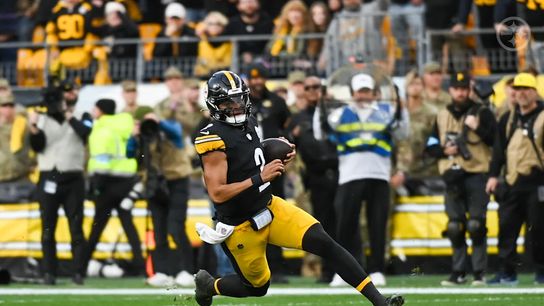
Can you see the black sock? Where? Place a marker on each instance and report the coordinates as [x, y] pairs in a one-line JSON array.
[[318, 242], [232, 285]]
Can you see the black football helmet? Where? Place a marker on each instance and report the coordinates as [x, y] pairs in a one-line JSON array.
[[227, 88]]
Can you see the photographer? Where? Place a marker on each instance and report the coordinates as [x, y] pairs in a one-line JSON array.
[[520, 149], [60, 138], [462, 139], [365, 132], [167, 167]]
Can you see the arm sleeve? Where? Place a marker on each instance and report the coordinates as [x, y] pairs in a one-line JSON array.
[[37, 141], [132, 147], [82, 128], [173, 132], [433, 147], [499, 158], [487, 128]]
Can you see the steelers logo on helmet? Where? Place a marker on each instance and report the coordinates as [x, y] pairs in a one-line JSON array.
[[227, 98]]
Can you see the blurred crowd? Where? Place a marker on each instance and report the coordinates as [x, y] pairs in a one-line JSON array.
[[87, 34]]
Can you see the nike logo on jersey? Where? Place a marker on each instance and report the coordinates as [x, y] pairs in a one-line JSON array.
[[205, 133]]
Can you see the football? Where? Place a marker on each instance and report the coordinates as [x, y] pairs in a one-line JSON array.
[[275, 148]]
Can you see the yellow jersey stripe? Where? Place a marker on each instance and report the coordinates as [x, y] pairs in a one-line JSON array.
[[363, 284], [231, 80], [208, 146], [207, 136]]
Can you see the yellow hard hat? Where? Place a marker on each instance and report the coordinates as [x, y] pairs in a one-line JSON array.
[[525, 80]]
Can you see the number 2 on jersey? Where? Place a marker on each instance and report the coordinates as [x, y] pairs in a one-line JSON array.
[[259, 161]]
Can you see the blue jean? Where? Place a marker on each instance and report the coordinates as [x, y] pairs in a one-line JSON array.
[[405, 17]]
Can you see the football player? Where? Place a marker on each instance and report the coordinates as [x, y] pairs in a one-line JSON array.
[[238, 181]]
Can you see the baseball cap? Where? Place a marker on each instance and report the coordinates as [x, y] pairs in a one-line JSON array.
[[257, 70], [460, 80], [115, 7], [172, 72], [296, 76], [128, 85], [175, 10], [525, 79], [141, 111], [4, 83], [362, 80], [107, 106], [192, 83], [431, 67], [9, 99]]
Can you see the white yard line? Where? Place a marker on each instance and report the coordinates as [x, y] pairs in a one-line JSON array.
[[272, 291]]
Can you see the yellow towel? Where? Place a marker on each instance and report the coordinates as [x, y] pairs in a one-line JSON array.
[[17, 134]]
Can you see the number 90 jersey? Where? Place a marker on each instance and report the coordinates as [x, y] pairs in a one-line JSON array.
[[245, 158]]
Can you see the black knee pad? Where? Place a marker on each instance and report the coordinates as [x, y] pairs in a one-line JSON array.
[[456, 233], [259, 291], [477, 231]]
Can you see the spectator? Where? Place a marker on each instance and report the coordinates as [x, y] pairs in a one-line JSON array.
[[167, 168], [440, 15], [407, 15], [335, 6], [98, 11], [213, 55], [320, 174], [412, 165], [15, 158], [432, 82], [5, 89], [520, 148], [296, 95], [251, 20], [130, 96], [365, 132], [179, 105], [43, 12], [462, 139], [273, 117], [60, 138], [355, 33], [175, 29], [70, 22], [118, 26], [27, 12], [509, 102], [113, 176], [295, 19], [321, 17]]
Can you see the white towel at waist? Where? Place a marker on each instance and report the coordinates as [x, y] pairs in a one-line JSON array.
[[221, 232]]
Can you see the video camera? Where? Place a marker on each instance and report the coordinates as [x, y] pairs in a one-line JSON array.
[[461, 144], [483, 90], [149, 130], [53, 94]]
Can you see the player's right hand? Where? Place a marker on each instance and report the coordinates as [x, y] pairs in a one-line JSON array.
[[272, 170]]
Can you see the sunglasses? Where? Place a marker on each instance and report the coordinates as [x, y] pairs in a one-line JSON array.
[[312, 87], [8, 105]]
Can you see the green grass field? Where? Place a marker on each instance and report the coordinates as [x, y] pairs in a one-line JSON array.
[[418, 290]]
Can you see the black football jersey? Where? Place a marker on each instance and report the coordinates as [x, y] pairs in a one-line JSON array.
[[245, 158], [69, 25]]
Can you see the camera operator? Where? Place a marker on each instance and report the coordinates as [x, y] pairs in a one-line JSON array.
[[167, 168], [60, 138], [520, 148], [461, 141], [365, 132]]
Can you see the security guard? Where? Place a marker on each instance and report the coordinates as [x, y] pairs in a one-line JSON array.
[[113, 175], [365, 132], [520, 148], [462, 139], [15, 155]]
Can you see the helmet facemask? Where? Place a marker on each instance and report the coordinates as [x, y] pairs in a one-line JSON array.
[[233, 109]]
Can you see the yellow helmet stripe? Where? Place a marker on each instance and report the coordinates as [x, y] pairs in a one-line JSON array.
[[230, 78]]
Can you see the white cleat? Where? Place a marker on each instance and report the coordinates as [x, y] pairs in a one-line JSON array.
[[337, 281], [185, 279], [378, 279], [160, 280]]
